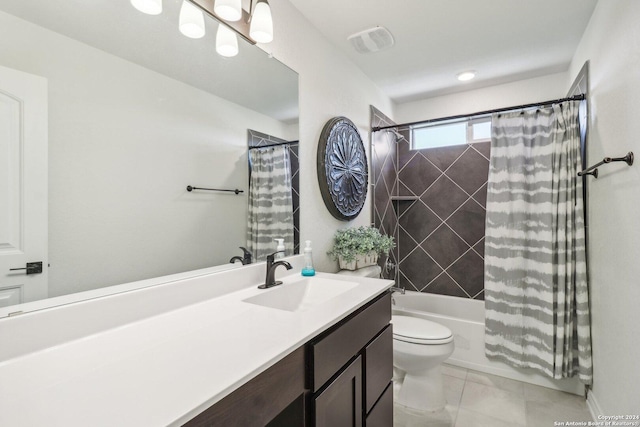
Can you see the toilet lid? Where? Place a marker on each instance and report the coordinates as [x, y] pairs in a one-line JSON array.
[[419, 331]]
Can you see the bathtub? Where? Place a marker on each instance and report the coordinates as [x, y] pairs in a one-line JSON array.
[[465, 318]]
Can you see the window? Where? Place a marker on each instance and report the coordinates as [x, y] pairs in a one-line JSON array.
[[480, 130], [451, 133]]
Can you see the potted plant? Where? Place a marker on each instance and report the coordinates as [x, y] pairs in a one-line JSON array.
[[359, 247]]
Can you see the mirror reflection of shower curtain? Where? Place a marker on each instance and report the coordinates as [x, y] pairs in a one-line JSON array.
[[270, 202], [536, 294]]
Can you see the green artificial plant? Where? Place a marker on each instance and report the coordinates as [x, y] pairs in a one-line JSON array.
[[350, 242]]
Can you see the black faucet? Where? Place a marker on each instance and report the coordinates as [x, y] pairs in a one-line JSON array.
[[245, 260], [270, 280]]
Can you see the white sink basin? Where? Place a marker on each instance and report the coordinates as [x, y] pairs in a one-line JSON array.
[[301, 294]]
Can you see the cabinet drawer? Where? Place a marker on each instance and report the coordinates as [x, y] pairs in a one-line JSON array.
[[378, 366], [334, 350]]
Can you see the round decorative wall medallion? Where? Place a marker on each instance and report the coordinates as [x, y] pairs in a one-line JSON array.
[[343, 173]]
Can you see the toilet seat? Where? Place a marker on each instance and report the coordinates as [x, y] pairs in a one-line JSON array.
[[420, 331]]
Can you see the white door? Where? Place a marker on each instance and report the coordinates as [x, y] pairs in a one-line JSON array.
[[23, 186]]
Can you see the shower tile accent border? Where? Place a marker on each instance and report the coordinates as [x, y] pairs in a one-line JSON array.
[[446, 221], [384, 185], [257, 139]]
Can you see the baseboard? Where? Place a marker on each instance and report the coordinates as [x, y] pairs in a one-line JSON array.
[[593, 406]]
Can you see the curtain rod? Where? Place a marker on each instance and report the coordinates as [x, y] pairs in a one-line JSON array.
[[481, 113], [275, 144]]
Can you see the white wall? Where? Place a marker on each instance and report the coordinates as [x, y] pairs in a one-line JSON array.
[[330, 85], [521, 92], [612, 45], [124, 143]]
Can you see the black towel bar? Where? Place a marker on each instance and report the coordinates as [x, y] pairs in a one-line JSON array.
[[190, 188]]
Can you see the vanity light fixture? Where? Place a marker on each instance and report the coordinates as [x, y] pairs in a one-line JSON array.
[[255, 25], [229, 10], [150, 7], [261, 27], [226, 41], [466, 75], [191, 20]]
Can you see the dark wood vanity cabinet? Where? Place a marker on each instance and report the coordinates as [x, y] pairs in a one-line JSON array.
[[277, 395], [341, 378], [379, 370], [351, 366]]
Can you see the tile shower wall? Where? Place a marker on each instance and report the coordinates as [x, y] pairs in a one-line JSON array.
[[438, 205], [257, 139], [385, 186]]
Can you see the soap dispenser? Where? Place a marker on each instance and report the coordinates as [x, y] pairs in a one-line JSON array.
[[280, 248], [308, 269]]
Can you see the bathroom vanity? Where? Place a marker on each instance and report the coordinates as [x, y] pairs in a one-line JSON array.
[[340, 377], [208, 350]]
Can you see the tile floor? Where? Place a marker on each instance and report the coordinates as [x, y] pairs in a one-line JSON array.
[[475, 399]]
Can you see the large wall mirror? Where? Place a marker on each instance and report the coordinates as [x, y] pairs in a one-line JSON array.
[[135, 112]]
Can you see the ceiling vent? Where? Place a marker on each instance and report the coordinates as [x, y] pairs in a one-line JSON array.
[[371, 40]]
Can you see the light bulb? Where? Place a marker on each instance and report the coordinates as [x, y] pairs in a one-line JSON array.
[[229, 10], [226, 42], [150, 7], [466, 76], [261, 29], [191, 20]]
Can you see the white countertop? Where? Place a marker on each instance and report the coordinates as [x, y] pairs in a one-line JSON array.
[[165, 368]]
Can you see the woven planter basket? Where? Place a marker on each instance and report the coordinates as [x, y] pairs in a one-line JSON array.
[[361, 261]]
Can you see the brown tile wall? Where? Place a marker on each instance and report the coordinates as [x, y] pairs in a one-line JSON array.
[[440, 232]]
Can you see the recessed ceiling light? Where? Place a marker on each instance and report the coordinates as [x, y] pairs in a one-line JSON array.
[[466, 76]]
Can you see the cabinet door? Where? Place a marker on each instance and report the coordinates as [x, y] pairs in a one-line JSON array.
[[382, 413], [340, 404], [378, 366]]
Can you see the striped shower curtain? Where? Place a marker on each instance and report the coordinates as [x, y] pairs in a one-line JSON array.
[[536, 295], [270, 203]]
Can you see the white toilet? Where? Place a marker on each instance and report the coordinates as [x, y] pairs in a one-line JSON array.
[[419, 348]]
